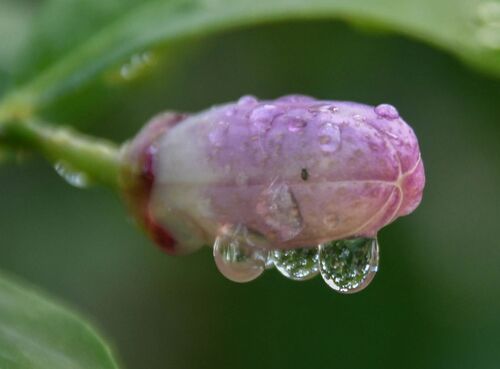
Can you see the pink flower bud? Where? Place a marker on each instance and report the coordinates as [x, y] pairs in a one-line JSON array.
[[297, 171]]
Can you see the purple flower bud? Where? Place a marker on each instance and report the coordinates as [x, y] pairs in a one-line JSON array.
[[296, 170]]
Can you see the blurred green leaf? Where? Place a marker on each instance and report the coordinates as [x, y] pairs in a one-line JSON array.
[[15, 19], [467, 28], [35, 333], [62, 25]]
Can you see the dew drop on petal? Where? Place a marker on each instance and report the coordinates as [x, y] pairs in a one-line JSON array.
[[297, 264], [280, 211], [359, 117], [348, 266], [247, 100], [72, 176], [262, 117], [239, 254], [218, 133], [296, 124], [295, 99], [329, 137], [386, 111]]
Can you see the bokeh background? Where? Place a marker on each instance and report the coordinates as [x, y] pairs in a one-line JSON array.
[[435, 302]]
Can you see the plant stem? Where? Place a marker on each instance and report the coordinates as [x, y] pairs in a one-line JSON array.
[[96, 158]]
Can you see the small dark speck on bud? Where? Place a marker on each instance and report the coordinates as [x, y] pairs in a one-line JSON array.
[[304, 174]]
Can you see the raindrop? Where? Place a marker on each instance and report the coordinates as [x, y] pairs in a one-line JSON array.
[[240, 254], [296, 124], [359, 117], [323, 108], [280, 211], [349, 265], [386, 111], [262, 117], [218, 133], [247, 100], [391, 135], [297, 264], [329, 137], [295, 99], [72, 176], [136, 65]]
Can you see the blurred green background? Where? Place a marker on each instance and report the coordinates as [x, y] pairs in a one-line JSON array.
[[435, 302]]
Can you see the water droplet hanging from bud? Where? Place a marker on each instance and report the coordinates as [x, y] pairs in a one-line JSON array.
[[349, 265], [297, 264], [239, 255], [72, 176]]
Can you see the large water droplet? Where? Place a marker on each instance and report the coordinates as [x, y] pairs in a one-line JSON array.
[[72, 176], [349, 266], [386, 111], [239, 254], [279, 209], [329, 137], [297, 264]]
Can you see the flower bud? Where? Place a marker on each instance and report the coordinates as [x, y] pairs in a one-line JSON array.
[[297, 171]]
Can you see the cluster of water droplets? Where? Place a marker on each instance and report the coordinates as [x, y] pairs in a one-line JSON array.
[[347, 266]]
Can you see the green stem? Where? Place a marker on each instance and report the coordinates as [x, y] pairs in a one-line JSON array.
[[98, 159]]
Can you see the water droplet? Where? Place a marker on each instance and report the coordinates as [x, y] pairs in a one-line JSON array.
[[386, 111], [391, 135], [359, 117], [240, 254], [349, 266], [279, 209], [295, 99], [323, 108], [329, 137], [247, 100], [136, 65], [296, 124], [217, 133], [72, 176], [297, 264], [262, 117]]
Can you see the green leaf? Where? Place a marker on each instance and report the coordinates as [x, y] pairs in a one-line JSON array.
[[466, 28], [15, 18], [36, 333], [61, 25]]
